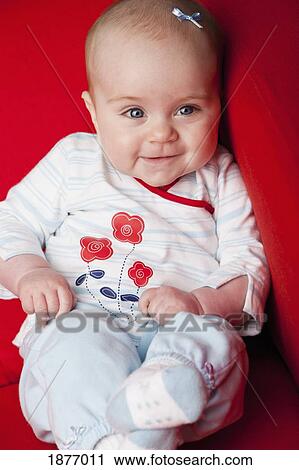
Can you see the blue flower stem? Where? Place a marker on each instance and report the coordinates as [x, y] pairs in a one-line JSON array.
[[120, 278], [93, 296], [131, 308]]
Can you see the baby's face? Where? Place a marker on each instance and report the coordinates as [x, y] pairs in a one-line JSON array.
[[156, 108]]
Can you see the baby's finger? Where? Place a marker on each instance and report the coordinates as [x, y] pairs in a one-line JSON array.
[[41, 308], [40, 303], [145, 300], [65, 300], [27, 304], [52, 303]]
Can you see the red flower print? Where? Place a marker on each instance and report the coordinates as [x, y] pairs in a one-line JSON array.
[[127, 228], [140, 273], [95, 248]]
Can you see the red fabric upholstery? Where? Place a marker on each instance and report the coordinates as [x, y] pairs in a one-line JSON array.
[[10, 360], [261, 75], [41, 82]]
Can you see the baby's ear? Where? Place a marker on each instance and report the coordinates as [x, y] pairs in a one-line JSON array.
[[87, 100], [90, 106]]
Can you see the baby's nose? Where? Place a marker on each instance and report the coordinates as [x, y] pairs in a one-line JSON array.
[[162, 131]]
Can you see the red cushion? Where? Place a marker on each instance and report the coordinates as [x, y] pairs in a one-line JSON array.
[[10, 360], [16, 433], [261, 75]]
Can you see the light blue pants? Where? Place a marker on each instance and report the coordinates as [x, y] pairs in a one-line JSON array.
[[76, 363]]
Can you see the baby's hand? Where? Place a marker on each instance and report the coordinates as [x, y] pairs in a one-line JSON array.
[[45, 292], [166, 301]]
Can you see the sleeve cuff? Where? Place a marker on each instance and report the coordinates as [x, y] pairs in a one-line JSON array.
[[6, 253], [252, 304], [25, 327]]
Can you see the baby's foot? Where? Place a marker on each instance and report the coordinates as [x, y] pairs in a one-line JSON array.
[[158, 395]]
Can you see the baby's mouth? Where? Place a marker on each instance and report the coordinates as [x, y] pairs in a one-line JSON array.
[[157, 159]]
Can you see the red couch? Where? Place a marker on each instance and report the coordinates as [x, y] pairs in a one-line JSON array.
[[42, 78]]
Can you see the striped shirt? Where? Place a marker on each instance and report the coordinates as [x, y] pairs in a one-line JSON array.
[[112, 236]]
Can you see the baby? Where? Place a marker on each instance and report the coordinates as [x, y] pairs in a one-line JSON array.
[[135, 251]]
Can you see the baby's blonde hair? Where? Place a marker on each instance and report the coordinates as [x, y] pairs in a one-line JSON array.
[[154, 20]]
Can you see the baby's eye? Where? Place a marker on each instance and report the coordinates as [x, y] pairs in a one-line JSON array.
[[135, 113], [187, 110]]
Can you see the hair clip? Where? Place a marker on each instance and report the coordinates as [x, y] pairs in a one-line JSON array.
[[181, 16]]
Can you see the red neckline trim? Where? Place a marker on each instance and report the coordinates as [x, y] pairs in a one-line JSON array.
[[173, 197], [168, 186]]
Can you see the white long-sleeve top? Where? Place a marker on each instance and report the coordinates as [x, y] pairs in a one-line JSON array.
[[112, 236]]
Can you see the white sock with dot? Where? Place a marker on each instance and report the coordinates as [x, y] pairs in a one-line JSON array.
[[160, 394]]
